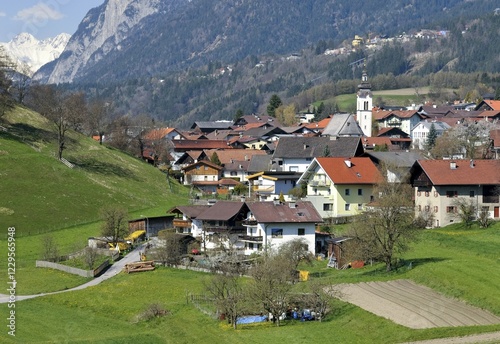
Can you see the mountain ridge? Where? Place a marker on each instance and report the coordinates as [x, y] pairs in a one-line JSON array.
[[155, 36]]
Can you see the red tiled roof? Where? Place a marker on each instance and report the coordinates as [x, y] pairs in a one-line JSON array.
[[158, 134], [199, 144], [319, 125], [483, 172], [494, 104], [495, 136], [362, 170], [226, 155], [376, 141]]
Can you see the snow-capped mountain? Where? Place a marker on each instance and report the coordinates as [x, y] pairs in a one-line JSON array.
[[100, 32], [30, 53]]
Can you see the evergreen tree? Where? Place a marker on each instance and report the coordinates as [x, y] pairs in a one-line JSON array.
[[215, 159], [274, 103], [431, 138]]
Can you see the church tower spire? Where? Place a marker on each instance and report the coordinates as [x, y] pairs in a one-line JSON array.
[[364, 104]]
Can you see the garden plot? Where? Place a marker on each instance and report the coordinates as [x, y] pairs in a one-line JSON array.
[[412, 305]]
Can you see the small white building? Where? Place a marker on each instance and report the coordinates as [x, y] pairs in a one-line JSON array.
[[420, 132]]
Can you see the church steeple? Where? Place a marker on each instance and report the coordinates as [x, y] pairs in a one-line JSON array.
[[364, 104]]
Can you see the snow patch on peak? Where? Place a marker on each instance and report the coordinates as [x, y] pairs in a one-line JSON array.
[[30, 54]]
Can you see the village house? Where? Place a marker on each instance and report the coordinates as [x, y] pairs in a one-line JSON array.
[[402, 119], [294, 154], [420, 132], [272, 224], [248, 227], [441, 184], [268, 185], [340, 187]]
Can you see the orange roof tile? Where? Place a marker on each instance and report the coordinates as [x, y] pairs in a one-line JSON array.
[[158, 133], [483, 172], [494, 104], [319, 125], [362, 170]]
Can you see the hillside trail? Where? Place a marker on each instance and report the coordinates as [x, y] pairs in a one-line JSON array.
[[115, 269]]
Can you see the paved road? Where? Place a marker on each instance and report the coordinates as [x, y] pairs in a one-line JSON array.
[[116, 268]]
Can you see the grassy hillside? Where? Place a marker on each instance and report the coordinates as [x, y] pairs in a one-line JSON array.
[[40, 194], [458, 262]]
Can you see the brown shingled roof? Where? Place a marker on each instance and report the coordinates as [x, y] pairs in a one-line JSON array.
[[269, 212]]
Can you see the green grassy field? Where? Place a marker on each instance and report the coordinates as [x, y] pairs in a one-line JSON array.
[[402, 97], [457, 262], [40, 194]]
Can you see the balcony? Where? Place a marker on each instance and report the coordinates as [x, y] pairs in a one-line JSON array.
[[252, 239], [182, 223], [225, 229], [251, 221]]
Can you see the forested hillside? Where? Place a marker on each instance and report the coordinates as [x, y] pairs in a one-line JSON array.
[[218, 90]]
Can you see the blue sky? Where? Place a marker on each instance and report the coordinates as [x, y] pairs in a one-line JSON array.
[[42, 18]]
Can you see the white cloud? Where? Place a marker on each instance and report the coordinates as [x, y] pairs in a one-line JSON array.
[[37, 13], [3, 14]]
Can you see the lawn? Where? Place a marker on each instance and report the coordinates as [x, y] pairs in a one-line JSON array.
[[458, 262]]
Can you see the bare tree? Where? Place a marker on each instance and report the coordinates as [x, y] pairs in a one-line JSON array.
[[272, 285], [98, 117], [50, 249], [386, 229], [64, 111], [90, 256], [6, 101], [227, 290], [169, 249], [115, 225], [466, 210]]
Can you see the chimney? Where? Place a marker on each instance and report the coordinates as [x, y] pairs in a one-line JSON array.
[[471, 163], [348, 163], [276, 201], [292, 204], [453, 165]]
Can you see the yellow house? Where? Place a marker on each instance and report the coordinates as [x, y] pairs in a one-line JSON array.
[[340, 187]]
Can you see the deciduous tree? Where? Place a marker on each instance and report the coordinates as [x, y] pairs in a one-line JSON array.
[[384, 230], [115, 224]]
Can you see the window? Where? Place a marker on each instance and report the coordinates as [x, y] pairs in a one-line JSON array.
[[419, 207], [347, 192], [250, 245], [347, 207], [427, 208], [233, 173], [277, 232], [471, 194], [451, 209], [451, 193], [360, 192], [327, 206], [436, 208], [301, 231]]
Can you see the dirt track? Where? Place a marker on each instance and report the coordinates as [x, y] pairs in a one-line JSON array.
[[413, 305]]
